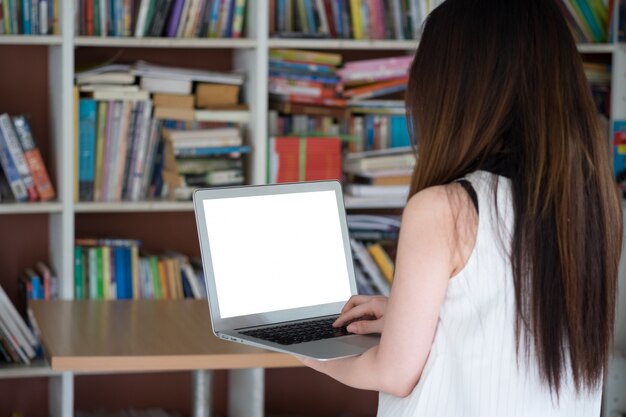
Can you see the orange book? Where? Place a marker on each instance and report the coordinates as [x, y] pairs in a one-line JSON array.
[[165, 289], [377, 89], [33, 159]]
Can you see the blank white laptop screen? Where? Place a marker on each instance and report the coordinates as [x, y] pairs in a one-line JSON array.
[[276, 252]]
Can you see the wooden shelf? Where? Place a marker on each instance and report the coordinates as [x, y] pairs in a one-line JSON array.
[[39, 368], [30, 208], [30, 40], [345, 44], [130, 42], [596, 48], [133, 206]]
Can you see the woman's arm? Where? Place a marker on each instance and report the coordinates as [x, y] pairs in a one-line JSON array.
[[428, 255]]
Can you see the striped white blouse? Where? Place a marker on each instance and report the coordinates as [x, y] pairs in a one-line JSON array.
[[472, 369]]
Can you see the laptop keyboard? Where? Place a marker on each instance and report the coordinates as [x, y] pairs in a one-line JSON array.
[[306, 331]]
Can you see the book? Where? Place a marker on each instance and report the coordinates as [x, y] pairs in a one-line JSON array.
[[216, 95], [295, 159], [382, 259], [87, 148], [363, 257], [16, 153], [11, 174], [185, 101]]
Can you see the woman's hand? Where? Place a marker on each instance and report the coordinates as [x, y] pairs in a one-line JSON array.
[[364, 314]]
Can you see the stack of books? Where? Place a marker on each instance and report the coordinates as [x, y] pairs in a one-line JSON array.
[[590, 21], [112, 269], [349, 19], [380, 174], [23, 176], [154, 18], [373, 239], [137, 123], [19, 343], [305, 82], [294, 159], [24, 17], [373, 78]]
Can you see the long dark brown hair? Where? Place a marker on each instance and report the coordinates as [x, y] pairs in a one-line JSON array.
[[504, 79]]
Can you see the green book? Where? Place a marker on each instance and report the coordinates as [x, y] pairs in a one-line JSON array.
[[156, 282], [79, 274], [97, 29], [100, 274]]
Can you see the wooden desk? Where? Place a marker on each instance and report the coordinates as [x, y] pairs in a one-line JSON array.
[[147, 335]]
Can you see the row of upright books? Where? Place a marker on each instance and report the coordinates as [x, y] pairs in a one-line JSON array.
[[29, 17], [161, 18], [373, 239], [112, 269], [23, 176], [150, 132], [349, 19], [591, 21]]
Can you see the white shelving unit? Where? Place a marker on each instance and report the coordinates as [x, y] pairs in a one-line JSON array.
[[250, 55]]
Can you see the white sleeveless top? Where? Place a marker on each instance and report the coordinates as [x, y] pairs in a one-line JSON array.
[[472, 369]]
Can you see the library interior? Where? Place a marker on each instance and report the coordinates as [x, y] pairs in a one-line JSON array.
[[113, 112]]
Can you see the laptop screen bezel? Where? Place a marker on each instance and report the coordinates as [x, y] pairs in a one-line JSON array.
[[230, 323]]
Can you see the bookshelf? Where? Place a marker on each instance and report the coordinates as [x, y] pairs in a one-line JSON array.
[[60, 219]]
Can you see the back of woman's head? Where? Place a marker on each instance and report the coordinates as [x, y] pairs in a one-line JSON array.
[[503, 80]]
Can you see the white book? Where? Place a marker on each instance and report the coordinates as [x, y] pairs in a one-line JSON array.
[[233, 116], [369, 267], [193, 10], [366, 190], [106, 78], [158, 71], [323, 18], [12, 313], [177, 135], [88, 88], [397, 18], [166, 85], [103, 19], [138, 164], [142, 15], [207, 142], [140, 95], [6, 333], [183, 18]]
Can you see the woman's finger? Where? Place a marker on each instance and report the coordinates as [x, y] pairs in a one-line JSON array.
[[354, 301], [360, 310]]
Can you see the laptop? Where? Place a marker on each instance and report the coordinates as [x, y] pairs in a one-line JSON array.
[[278, 267]]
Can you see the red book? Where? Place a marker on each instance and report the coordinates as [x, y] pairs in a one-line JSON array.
[[331, 18], [305, 159], [89, 17], [33, 159]]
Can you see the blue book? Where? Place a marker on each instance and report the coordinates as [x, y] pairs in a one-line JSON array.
[[187, 293], [594, 24], [211, 151], [369, 133], [18, 188], [619, 151], [86, 148], [310, 18], [120, 276], [128, 272], [299, 66], [399, 132], [37, 290], [215, 14], [281, 24], [336, 6], [26, 18], [304, 77], [227, 26]]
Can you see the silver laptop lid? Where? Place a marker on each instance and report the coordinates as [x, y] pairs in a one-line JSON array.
[[274, 253]]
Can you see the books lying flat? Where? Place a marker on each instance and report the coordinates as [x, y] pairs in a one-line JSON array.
[[366, 163], [363, 190], [173, 113], [144, 69]]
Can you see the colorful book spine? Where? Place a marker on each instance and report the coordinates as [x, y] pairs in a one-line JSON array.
[[17, 156], [40, 176], [87, 148]]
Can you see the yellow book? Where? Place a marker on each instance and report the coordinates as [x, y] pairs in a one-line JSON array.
[[100, 139], [134, 256], [179, 278], [109, 292], [357, 23], [171, 279], [165, 290], [384, 262], [76, 117]]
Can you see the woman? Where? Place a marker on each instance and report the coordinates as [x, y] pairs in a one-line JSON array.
[[504, 290]]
